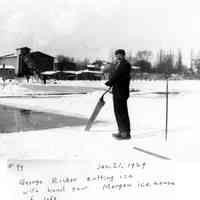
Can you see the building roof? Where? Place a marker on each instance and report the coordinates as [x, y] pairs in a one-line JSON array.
[[50, 72], [7, 67], [71, 72], [11, 55], [135, 67], [23, 48], [39, 53], [91, 66], [91, 71]]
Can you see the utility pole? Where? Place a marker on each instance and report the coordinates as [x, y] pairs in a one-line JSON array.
[[167, 105], [191, 59], [4, 75]]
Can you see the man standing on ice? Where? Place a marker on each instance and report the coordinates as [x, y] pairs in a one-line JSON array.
[[119, 81]]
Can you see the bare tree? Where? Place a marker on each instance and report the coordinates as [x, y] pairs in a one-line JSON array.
[[65, 63], [165, 62], [144, 55], [112, 55], [179, 63]]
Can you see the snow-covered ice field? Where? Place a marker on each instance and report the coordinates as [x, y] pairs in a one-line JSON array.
[[147, 115]]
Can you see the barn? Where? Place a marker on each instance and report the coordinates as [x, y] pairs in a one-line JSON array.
[[7, 72], [26, 62]]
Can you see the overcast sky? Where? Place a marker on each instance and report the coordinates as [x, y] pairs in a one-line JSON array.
[[91, 28]]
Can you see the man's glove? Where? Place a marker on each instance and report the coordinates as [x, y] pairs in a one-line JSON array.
[[108, 83]]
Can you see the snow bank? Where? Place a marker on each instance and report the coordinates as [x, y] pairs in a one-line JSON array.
[[147, 116], [12, 89]]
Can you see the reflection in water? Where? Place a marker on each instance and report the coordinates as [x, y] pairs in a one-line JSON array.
[[25, 112], [15, 120]]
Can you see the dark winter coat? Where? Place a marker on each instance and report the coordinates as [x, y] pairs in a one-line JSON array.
[[120, 80]]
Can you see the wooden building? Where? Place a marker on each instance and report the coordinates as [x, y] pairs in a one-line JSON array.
[[38, 62], [7, 72], [26, 62]]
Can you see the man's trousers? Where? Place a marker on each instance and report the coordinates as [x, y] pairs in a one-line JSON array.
[[121, 114]]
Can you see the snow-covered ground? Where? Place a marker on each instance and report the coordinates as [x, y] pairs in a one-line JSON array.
[[147, 115]]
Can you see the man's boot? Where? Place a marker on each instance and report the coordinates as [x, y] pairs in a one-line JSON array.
[[125, 135], [116, 135]]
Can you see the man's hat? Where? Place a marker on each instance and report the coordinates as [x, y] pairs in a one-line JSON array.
[[120, 51]]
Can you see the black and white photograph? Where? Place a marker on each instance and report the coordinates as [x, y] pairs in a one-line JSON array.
[[99, 99]]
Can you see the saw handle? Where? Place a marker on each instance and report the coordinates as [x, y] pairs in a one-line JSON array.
[[105, 93]]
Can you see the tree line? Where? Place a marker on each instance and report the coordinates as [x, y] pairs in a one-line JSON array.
[[163, 62]]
